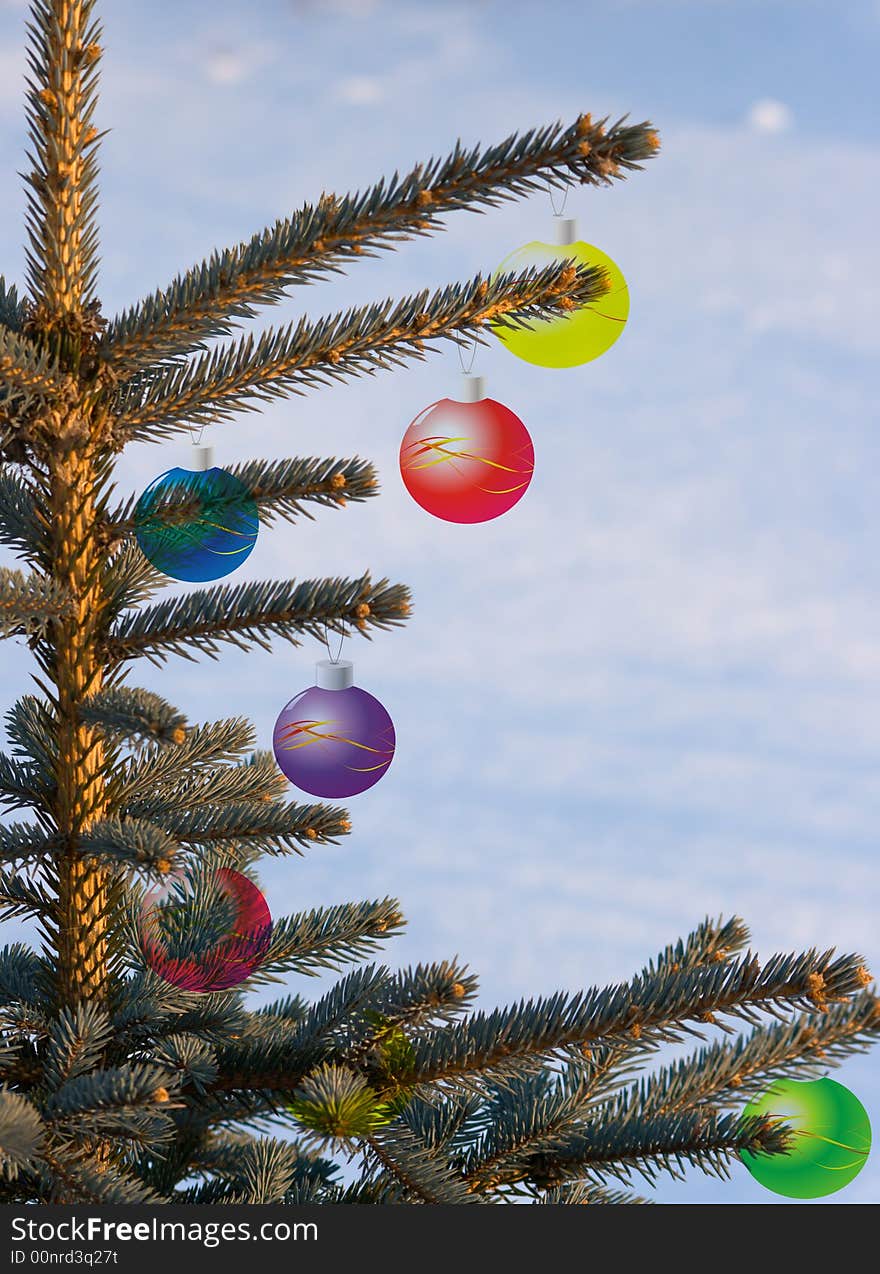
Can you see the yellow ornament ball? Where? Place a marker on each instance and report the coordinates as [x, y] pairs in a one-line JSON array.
[[584, 334]]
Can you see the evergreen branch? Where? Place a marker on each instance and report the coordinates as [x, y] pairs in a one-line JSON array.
[[416, 999], [77, 1040], [129, 579], [218, 1155], [127, 715], [215, 1018], [328, 937], [256, 780], [148, 1010], [328, 1020], [422, 1175], [62, 197], [23, 842], [22, 784], [162, 767], [74, 1176], [610, 1065], [28, 603], [11, 308], [211, 1193], [21, 1134], [306, 944], [711, 942], [236, 377], [21, 897], [443, 1120], [265, 1170], [365, 1191], [191, 1059], [262, 1171], [280, 489], [350, 1025], [26, 369], [214, 1153], [130, 842], [585, 1192], [163, 1172], [13, 421], [31, 726], [129, 1102], [513, 1041], [22, 523], [703, 1139], [192, 931], [286, 1012], [272, 827], [12, 1047], [428, 994], [127, 1086], [726, 1073], [251, 613], [205, 302], [23, 1069], [20, 972], [528, 1117]]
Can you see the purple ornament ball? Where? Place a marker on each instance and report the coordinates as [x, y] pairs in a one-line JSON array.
[[334, 739]]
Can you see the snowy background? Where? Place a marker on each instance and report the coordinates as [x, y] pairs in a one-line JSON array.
[[649, 692]]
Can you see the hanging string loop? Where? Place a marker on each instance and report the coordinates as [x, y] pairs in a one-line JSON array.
[[342, 637]]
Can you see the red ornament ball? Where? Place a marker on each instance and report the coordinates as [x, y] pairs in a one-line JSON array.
[[467, 461], [223, 948]]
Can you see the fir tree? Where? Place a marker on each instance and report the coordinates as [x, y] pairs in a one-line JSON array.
[[118, 1086]]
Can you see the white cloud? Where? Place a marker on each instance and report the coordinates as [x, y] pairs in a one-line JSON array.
[[360, 90], [770, 116], [226, 67], [235, 64]]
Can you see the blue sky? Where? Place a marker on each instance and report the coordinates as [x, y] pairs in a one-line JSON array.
[[649, 692]]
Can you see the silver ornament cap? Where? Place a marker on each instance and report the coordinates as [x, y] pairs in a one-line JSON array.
[[473, 388], [202, 456], [566, 229], [330, 675]]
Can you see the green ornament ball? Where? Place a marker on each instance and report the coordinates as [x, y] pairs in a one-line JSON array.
[[831, 1143], [373, 1107], [580, 336]]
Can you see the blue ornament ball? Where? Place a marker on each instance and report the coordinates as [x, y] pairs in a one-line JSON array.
[[216, 535]]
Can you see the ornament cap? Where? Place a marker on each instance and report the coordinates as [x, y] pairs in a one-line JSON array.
[[202, 456], [334, 675], [566, 229], [473, 388]]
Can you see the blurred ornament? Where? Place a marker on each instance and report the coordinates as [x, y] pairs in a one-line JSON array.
[[589, 330], [214, 537], [334, 739], [393, 1053], [383, 1100], [205, 931], [467, 461], [831, 1142]]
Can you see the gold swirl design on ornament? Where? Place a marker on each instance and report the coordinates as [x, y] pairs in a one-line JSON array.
[[310, 733], [192, 537], [437, 446], [860, 1152]]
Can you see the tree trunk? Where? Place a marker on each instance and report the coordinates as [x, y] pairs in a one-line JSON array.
[[83, 898]]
